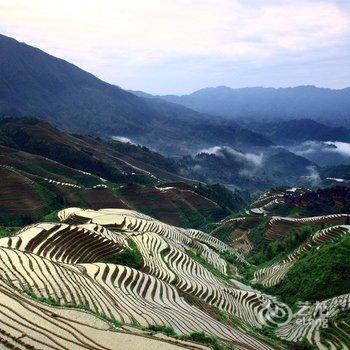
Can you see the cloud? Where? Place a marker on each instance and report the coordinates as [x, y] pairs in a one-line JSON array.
[[223, 151], [314, 177], [123, 139], [249, 163], [339, 147], [121, 40], [308, 148]]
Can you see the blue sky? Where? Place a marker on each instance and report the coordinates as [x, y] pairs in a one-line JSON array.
[[164, 47]]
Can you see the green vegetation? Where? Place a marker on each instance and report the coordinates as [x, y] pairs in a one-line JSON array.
[[197, 257], [13, 220], [223, 233], [328, 267], [257, 235], [228, 200], [338, 328], [163, 253], [213, 342], [268, 252], [287, 244], [169, 331], [130, 257], [51, 217], [7, 231], [193, 219], [145, 155], [198, 337], [52, 302]]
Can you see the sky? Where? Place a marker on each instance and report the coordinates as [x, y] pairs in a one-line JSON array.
[[177, 47]]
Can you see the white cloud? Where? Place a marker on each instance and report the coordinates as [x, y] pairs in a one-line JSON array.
[[116, 39], [251, 159], [308, 148], [314, 177], [123, 139], [339, 147]]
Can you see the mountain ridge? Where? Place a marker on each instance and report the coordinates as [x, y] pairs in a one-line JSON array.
[[254, 103], [34, 83]]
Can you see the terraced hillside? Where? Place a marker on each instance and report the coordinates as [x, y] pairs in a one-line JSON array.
[[282, 226], [331, 198], [58, 169], [274, 274], [80, 276], [60, 264], [30, 324]]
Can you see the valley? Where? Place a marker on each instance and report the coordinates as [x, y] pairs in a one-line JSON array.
[[113, 234], [213, 220]]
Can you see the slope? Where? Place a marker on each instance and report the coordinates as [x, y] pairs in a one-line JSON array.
[[270, 104], [35, 83]]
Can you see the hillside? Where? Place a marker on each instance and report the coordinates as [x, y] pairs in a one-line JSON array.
[[34, 83], [293, 131], [270, 104], [259, 169], [138, 275], [53, 169]]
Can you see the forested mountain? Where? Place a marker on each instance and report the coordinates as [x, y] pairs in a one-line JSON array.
[[270, 104], [296, 130], [37, 84], [273, 166]]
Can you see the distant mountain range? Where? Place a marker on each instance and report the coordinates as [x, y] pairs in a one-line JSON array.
[[299, 130], [33, 83], [122, 162], [268, 104]]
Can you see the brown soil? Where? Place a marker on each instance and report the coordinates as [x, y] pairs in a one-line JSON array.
[[18, 194]]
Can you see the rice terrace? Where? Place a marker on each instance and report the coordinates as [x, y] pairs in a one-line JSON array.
[[175, 175]]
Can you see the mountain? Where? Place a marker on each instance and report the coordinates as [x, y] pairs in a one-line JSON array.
[[341, 172], [260, 170], [299, 130], [270, 104], [33, 83], [85, 153], [43, 169], [91, 279]]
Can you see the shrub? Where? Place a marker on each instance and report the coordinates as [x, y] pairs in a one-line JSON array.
[[130, 257], [163, 329]]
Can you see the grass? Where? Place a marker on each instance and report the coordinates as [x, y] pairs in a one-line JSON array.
[[213, 342], [6, 231], [339, 328], [329, 267], [130, 257], [197, 257], [51, 217], [198, 337], [267, 253], [169, 331]]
